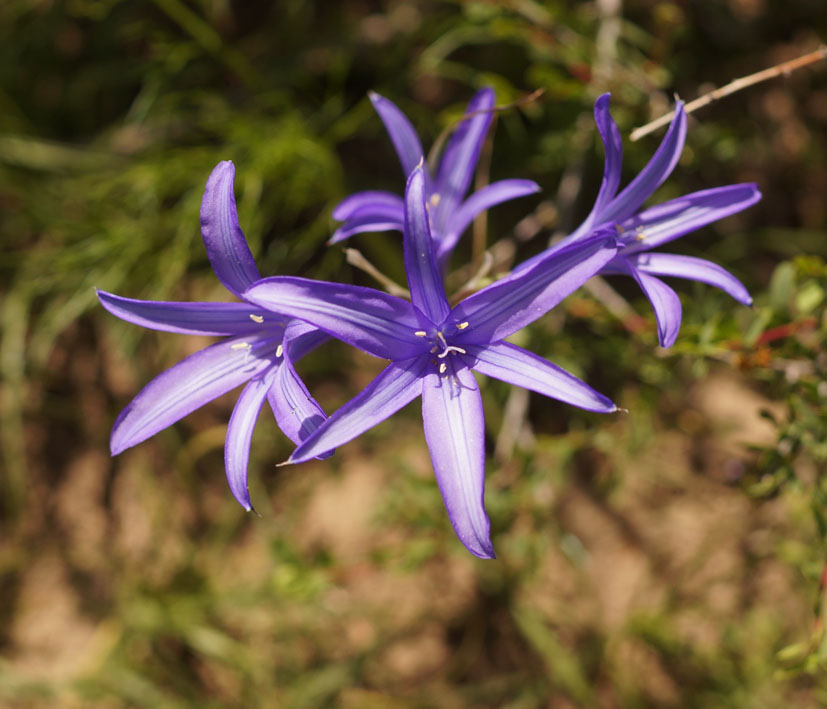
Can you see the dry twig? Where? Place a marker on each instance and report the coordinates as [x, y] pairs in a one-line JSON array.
[[355, 258], [782, 69]]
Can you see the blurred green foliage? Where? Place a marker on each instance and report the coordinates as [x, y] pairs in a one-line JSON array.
[[672, 556]]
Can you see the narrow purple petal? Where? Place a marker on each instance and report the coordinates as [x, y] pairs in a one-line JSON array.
[[520, 367], [653, 175], [366, 223], [459, 161], [666, 304], [680, 216], [297, 413], [478, 202], [424, 280], [371, 320], [190, 318], [613, 147], [397, 385], [240, 434], [455, 432], [401, 132], [515, 301], [695, 269], [190, 384], [368, 211], [368, 200], [226, 246]]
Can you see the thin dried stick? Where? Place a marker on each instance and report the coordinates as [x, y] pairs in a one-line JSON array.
[[355, 258], [515, 424], [784, 69], [473, 283], [479, 228]]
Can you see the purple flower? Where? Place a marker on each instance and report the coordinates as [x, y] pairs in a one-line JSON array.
[[259, 349], [638, 232], [433, 349], [450, 215]]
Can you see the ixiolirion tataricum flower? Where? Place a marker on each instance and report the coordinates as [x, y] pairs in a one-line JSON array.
[[433, 349], [259, 348], [445, 192], [638, 232]]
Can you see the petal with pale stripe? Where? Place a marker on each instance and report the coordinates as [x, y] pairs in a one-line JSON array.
[[653, 175], [666, 304], [190, 384], [191, 318], [239, 436], [459, 161], [515, 301], [402, 133], [694, 269], [424, 279], [397, 385], [613, 162], [226, 246], [297, 413], [371, 320], [671, 220], [455, 432], [517, 366]]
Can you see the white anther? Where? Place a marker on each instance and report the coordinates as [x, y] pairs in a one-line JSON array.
[[420, 333], [462, 325], [256, 318], [246, 346], [442, 368], [279, 350]]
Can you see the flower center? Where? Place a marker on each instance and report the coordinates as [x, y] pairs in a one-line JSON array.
[[630, 236], [247, 349], [446, 348], [439, 342]]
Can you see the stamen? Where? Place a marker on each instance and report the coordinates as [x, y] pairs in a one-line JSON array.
[[640, 236], [256, 318], [462, 325], [446, 348], [420, 333], [435, 199], [246, 346], [451, 348], [279, 350], [442, 368]]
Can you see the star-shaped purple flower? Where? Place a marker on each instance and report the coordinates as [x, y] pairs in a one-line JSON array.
[[433, 349], [259, 348], [638, 232], [450, 215]]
